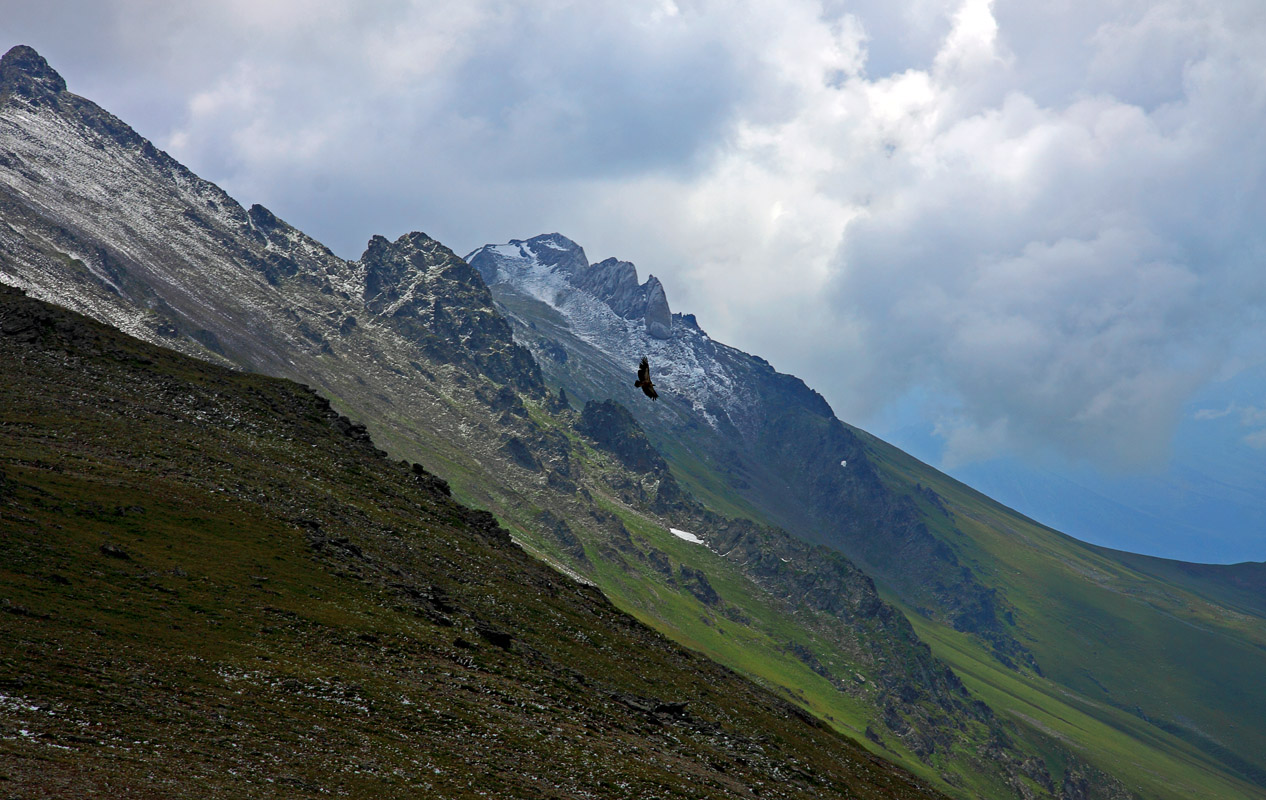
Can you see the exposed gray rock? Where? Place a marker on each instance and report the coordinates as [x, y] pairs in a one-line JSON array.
[[614, 429], [695, 582], [615, 283], [612, 282], [552, 250], [659, 318]]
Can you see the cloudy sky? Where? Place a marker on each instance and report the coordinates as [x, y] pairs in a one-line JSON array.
[[1022, 239]]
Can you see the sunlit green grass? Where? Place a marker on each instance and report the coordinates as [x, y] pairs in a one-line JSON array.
[[1119, 651]]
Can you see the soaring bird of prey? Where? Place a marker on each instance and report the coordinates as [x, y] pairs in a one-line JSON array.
[[643, 381]]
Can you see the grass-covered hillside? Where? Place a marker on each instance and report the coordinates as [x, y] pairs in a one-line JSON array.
[[211, 585], [1151, 667]]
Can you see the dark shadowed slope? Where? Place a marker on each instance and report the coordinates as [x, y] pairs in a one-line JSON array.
[[1166, 653]]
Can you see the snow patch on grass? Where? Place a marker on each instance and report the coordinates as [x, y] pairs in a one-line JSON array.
[[687, 535]]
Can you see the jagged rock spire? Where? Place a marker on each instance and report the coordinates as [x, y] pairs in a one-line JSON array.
[[612, 281], [659, 317]]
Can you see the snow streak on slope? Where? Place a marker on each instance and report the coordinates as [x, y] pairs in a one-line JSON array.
[[688, 364]]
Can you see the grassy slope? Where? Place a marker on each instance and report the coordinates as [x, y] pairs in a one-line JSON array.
[[756, 641], [210, 591], [1090, 617], [1240, 587], [757, 644], [1117, 646]]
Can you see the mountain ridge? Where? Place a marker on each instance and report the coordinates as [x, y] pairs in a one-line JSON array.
[[778, 418]]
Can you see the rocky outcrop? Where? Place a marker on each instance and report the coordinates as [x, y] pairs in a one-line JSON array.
[[615, 283], [696, 582], [25, 73], [659, 318], [425, 292], [563, 534], [615, 430]]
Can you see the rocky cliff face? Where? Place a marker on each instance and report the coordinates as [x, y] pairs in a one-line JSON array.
[[424, 292], [615, 283]]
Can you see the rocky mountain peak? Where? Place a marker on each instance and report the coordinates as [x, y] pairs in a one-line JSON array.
[[555, 261], [557, 251], [383, 266], [551, 250], [263, 220], [25, 73], [422, 290], [27, 77]]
